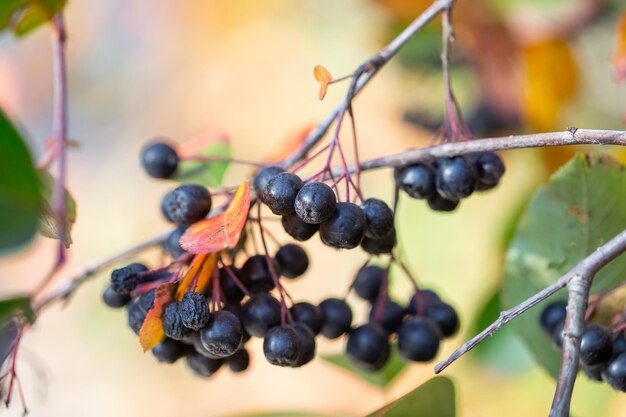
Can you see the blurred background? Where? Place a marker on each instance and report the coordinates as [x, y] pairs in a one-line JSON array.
[[145, 68]]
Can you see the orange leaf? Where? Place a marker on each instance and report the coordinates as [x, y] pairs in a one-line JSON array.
[[619, 59], [221, 231], [151, 333], [290, 144], [322, 76], [199, 273]]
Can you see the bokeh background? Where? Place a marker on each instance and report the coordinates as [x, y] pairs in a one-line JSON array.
[[146, 68]]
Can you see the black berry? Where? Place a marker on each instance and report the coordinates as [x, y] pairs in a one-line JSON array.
[[420, 301], [281, 346], [222, 335], [309, 315], [114, 299], [297, 229], [172, 245], [455, 178], [136, 316], [292, 259], [315, 202], [490, 169], [391, 316], [173, 322], [160, 160], [345, 228], [619, 343], [194, 310], [202, 365], [614, 373], [169, 351], [368, 346], [186, 204], [379, 246], [124, 280], [438, 203], [368, 282], [445, 317], [239, 362], [418, 181], [261, 179], [337, 317], [259, 313], [418, 339], [379, 218], [596, 346], [552, 316], [594, 373], [255, 274], [307, 344], [280, 192], [229, 287]]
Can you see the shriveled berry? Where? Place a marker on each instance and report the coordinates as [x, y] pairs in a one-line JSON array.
[[194, 310], [337, 317], [239, 362], [281, 346], [159, 159], [186, 204], [438, 203], [391, 316], [445, 317], [203, 366], [596, 346], [553, 315], [315, 202], [379, 246], [307, 344], [345, 229], [263, 176], [368, 282], [379, 218], [614, 373], [455, 178], [490, 169], [418, 339], [114, 299], [229, 287], [259, 313], [146, 300], [222, 335], [309, 315], [368, 346], [418, 180], [280, 192], [172, 322], [169, 351], [172, 245], [297, 229], [124, 280], [255, 274], [292, 259]]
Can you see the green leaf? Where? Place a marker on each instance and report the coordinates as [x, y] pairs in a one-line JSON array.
[[582, 207], [20, 196], [434, 398], [47, 221], [381, 378], [23, 16], [505, 352], [18, 305], [210, 174]]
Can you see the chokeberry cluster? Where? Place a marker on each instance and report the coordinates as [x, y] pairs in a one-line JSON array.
[[602, 351], [444, 182]]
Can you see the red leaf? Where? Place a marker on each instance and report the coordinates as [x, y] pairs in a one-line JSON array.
[[221, 231], [151, 333], [198, 275], [195, 145], [290, 144], [619, 59], [322, 76]]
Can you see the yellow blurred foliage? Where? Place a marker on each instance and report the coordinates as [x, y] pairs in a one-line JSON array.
[[551, 80]]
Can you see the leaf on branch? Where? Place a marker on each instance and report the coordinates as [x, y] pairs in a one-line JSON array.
[[323, 77], [48, 225], [10, 307], [582, 207], [20, 195], [151, 333], [434, 398], [290, 144], [619, 59], [380, 379], [198, 276], [23, 16], [221, 231], [211, 173]]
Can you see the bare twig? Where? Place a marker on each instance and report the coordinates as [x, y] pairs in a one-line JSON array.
[[588, 267]]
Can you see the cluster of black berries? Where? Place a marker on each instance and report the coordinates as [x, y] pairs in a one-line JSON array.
[[417, 328], [445, 181], [312, 207], [602, 353]]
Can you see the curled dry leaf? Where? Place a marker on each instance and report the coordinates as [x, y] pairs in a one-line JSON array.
[[198, 275], [221, 231], [324, 78]]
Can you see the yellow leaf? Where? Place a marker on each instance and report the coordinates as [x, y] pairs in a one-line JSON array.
[[550, 83], [200, 273], [322, 76]]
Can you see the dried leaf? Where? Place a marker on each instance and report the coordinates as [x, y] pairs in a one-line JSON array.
[[151, 333], [322, 76], [221, 231], [619, 59], [290, 144], [198, 276]]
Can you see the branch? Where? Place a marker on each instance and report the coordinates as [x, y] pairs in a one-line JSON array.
[[587, 268], [365, 72]]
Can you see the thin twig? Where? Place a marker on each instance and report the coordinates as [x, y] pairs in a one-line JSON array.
[[588, 267]]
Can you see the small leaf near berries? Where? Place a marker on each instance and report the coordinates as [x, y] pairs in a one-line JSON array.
[[323, 77], [221, 231], [151, 333]]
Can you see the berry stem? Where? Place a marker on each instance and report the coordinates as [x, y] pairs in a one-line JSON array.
[[381, 299], [234, 277]]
